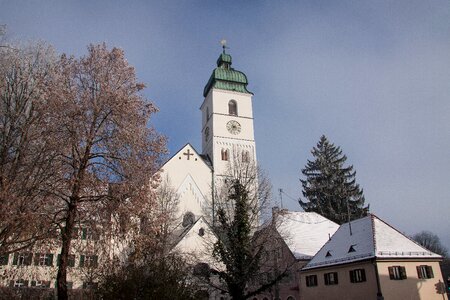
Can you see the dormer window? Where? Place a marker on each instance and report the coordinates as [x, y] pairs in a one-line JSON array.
[[351, 249], [328, 254], [232, 108]]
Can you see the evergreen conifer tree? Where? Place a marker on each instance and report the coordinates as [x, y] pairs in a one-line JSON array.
[[234, 247], [330, 187]]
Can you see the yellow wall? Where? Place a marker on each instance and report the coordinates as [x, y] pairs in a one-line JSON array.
[[344, 289], [412, 287]]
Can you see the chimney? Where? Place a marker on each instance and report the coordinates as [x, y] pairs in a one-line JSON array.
[[275, 212]]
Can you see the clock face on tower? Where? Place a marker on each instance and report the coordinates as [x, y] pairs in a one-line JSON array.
[[234, 127]]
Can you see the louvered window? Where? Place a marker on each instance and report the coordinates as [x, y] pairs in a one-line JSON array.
[[311, 280], [331, 278], [397, 273], [358, 275], [425, 272]]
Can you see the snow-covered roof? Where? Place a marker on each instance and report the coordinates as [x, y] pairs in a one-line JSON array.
[[304, 232], [366, 238]]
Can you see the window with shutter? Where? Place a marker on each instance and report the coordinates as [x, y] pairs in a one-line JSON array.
[[22, 258], [311, 280], [358, 275], [424, 272], [71, 262], [28, 258], [81, 261], [403, 273], [20, 283], [4, 259], [430, 272], [331, 278], [397, 272]]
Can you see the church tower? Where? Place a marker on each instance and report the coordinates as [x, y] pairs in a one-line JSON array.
[[227, 117]]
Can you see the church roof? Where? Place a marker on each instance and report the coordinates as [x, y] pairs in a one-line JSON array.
[[366, 238], [226, 78], [304, 232]]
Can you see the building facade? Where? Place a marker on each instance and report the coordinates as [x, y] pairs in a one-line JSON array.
[[369, 259]]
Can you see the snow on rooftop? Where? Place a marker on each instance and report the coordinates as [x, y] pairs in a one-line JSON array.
[[365, 238], [304, 232], [392, 243]]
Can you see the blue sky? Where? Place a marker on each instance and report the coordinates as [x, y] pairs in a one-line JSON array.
[[373, 76]]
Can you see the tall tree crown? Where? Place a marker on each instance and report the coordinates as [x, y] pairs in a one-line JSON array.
[[330, 186]]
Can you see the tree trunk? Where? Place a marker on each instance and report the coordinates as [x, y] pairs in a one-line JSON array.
[[61, 279]]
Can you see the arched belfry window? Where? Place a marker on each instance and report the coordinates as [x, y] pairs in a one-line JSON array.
[[224, 154], [207, 113], [232, 108], [245, 156]]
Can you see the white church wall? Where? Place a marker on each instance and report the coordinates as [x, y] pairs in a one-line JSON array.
[[190, 178]]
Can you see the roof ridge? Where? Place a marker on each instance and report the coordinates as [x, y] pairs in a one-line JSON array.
[[374, 240]]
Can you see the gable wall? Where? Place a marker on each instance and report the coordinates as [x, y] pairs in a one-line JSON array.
[[191, 179]]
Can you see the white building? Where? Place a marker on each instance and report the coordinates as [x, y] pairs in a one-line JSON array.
[[227, 135]]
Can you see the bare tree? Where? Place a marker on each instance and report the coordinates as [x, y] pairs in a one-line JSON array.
[[430, 241], [103, 139], [27, 157], [157, 225]]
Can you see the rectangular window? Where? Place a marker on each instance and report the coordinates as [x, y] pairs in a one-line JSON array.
[[70, 262], [20, 283], [43, 259], [40, 284], [90, 261], [88, 233], [358, 275], [311, 280], [397, 273], [425, 272], [4, 259], [331, 278], [22, 258]]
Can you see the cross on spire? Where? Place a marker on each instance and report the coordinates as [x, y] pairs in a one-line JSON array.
[[188, 153], [223, 42]]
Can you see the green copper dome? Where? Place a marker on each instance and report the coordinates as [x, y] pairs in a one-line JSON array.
[[226, 78]]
